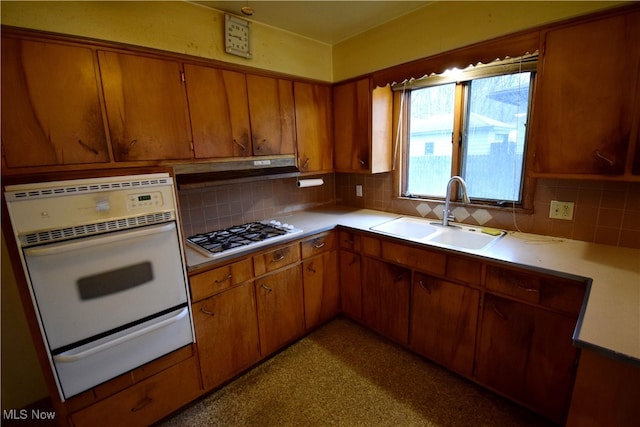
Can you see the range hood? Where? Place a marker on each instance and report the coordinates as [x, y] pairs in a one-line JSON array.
[[236, 168]]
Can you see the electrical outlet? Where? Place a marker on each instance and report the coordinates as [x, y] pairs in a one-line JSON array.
[[358, 190], [561, 210]]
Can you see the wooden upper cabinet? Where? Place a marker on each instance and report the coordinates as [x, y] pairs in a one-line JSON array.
[[219, 112], [362, 127], [314, 127], [51, 113], [146, 107], [586, 107], [271, 110]]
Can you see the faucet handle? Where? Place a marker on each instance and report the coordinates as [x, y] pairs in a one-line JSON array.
[[451, 216]]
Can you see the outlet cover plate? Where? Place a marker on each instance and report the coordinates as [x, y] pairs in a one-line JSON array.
[[561, 210]]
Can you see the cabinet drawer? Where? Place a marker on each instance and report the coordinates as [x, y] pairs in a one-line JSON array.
[[276, 258], [318, 244], [213, 281], [464, 270], [371, 246], [421, 259], [350, 241], [147, 401], [556, 293]]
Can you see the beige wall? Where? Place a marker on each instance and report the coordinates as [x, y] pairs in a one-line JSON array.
[[174, 26], [447, 25]]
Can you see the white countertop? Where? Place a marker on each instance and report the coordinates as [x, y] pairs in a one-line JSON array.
[[610, 321]]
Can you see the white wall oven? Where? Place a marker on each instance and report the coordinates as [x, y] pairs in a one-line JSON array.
[[104, 263]]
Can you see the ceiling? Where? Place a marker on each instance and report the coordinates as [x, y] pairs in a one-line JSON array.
[[326, 21]]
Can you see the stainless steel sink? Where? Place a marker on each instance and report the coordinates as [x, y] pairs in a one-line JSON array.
[[451, 236]]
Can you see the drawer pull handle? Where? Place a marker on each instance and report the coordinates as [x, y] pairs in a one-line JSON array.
[[349, 241], [263, 286], [207, 312], [142, 404], [279, 258], [526, 288], [319, 245], [498, 312], [425, 287], [223, 280]]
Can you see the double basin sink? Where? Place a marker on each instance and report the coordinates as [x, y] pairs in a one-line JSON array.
[[454, 236]]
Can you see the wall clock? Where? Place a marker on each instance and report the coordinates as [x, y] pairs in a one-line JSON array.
[[237, 36]]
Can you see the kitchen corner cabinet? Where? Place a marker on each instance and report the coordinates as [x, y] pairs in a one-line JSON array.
[[146, 107], [51, 109], [524, 347], [272, 115], [219, 112], [226, 327], [444, 316], [314, 127], [587, 100], [385, 298], [320, 279], [350, 274], [362, 127]]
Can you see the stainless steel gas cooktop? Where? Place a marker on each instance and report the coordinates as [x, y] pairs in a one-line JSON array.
[[238, 238]]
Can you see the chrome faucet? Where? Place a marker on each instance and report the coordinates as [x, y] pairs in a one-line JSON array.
[[446, 214]]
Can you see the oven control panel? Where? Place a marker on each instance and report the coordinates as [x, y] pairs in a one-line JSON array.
[[145, 200]]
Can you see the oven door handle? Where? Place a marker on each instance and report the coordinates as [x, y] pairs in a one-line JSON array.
[[71, 356], [87, 242]]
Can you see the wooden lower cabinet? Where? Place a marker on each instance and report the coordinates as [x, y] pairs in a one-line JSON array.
[[280, 308], [385, 298], [350, 285], [321, 289], [526, 353], [226, 328], [444, 316], [147, 401]]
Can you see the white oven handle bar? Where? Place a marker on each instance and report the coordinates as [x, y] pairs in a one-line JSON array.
[[70, 356], [98, 240]]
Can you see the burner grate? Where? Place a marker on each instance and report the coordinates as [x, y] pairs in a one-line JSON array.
[[238, 236]]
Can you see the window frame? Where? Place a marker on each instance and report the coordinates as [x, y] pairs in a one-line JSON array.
[[402, 92]]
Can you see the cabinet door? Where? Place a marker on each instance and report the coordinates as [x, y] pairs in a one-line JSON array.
[[444, 316], [271, 110], [219, 112], [385, 299], [350, 284], [314, 127], [526, 353], [51, 112], [583, 112], [280, 308], [321, 288], [352, 104], [226, 328], [146, 106]]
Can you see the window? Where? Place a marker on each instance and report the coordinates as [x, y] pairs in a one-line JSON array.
[[472, 124]]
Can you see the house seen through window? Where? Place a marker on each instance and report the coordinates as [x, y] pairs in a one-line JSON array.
[[473, 125]]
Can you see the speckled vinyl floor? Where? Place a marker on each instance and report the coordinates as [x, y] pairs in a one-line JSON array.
[[344, 375]]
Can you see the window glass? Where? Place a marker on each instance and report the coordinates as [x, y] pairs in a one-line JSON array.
[[430, 150], [494, 139]]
